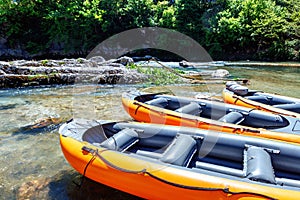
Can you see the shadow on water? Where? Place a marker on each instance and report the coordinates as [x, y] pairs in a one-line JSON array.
[[68, 184], [71, 185], [28, 130], [6, 107], [44, 125]]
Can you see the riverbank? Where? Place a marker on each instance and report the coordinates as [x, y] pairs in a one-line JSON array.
[[241, 63], [124, 70], [97, 70]]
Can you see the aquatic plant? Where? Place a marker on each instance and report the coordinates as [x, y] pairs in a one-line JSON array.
[[157, 75]]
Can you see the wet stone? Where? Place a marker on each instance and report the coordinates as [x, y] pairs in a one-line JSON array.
[[29, 189], [220, 73]]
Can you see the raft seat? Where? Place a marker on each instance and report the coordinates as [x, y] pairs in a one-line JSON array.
[[180, 151], [232, 117], [121, 141], [94, 135], [159, 102], [237, 88], [258, 165], [192, 108]]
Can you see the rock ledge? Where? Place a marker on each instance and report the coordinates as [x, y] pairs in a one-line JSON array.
[[96, 70]]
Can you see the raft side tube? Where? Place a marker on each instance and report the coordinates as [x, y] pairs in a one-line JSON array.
[[257, 118], [268, 99], [149, 154], [294, 107]]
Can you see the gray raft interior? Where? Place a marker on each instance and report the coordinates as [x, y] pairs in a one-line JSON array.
[[222, 112]]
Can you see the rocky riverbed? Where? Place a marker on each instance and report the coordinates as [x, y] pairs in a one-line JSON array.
[[96, 70]]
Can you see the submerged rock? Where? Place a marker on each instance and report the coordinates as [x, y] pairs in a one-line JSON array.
[[40, 125], [35, 189]]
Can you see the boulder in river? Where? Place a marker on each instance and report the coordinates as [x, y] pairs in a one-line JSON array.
[[220, 73]]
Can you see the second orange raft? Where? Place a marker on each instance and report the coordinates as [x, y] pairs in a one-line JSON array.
[[241, 95], [182, 111]]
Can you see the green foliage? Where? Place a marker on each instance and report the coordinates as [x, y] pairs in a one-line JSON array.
[[157, 75], [44, 62], [73, 23], [136, 13], [263, 29], [163, 15], [190, 17], [20, 23], [262, 26], [37, 76]]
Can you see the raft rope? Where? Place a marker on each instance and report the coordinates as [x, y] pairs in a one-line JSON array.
[[137, 108], [95, 153], [84, 171], [237, 98]]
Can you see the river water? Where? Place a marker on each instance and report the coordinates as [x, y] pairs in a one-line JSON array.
[[31, 162]]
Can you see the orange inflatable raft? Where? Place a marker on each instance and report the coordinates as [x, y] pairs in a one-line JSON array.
[[162, 162], [183, 111], [241, 95]]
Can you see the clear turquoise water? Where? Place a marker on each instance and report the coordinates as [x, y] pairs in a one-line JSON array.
[[281, 80], [31, 163]]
